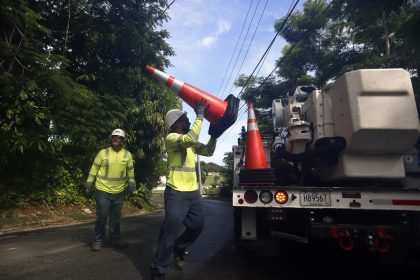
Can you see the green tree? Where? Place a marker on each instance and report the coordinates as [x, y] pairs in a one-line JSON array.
[[345, 35], [327, 40], [65, 87], [215, 181], [213, 167], [35, 84], [108, 55], [228, 171], [204, 172]]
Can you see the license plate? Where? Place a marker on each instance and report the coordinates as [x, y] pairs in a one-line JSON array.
[[315, 199]]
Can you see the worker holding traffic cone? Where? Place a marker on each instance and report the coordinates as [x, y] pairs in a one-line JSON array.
[[221, 113], [184, 213], [255, 156]]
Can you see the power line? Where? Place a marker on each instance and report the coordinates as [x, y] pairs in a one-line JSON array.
[[243, 42], [290, 50], [158, 17], [279, 62], [234, 51], [269, 47], [290, 11], [249, 46]]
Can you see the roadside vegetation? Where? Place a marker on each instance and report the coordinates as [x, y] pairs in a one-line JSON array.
[[69, 75]]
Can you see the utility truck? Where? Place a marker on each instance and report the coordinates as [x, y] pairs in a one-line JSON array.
[[342, 166]]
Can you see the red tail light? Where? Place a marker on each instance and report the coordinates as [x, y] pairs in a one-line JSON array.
[[251, 196]]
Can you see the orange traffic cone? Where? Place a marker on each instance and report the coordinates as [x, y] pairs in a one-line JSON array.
[[255, 156], [191, 95]]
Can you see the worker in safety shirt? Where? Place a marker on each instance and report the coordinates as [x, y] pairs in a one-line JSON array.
[[113, 173], [183, 205]]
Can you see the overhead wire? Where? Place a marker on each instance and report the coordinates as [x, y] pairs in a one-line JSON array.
[[264, 57], [268, 48], [240, 50], [158, 17], [278, 63], [289, 51], [234, 51], [249, 46], [290, 11], [242, 45]]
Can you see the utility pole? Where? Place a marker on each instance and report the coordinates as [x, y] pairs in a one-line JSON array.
[[199, 175]]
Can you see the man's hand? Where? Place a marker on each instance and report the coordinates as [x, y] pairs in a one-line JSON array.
[[88, 190], [200, 108], [130, 189]]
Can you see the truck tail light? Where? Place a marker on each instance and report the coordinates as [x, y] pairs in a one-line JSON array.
[[251, 196], [281, 197], [266, 197]]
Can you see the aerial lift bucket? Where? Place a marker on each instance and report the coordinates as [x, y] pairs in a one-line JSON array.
[[225, 111]]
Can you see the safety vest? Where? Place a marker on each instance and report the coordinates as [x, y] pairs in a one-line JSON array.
[[182, 150], [112, 170]]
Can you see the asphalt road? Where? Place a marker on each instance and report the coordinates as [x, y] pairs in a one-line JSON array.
[[64, 253]]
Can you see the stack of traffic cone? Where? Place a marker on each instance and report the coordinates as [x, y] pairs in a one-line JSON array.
[[255, 156], [191, 95]]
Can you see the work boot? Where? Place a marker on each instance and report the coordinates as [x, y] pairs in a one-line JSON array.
[[154, 275], [179, 257], [120, 244], [96, 246]]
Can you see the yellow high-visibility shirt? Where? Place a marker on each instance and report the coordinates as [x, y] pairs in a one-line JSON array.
[[182, 150], [112, 170]]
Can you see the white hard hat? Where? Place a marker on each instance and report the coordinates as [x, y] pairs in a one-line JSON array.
[[172, 116], [118, 132]]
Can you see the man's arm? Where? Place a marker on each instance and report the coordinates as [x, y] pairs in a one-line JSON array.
[[191, 138], [185, 140], [92, 175], [95, 168], [206, 150]]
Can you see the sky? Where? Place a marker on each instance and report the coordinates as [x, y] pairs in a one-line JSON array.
[[204, 34]]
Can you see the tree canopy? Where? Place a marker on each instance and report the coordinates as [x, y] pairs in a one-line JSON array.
[[70, 73], [329, 38]]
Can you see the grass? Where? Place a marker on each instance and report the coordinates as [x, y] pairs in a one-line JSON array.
[[37, 216]]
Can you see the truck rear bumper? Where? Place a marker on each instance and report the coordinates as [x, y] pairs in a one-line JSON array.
[[375, 229]]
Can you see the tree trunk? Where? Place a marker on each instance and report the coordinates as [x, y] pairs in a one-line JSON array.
[[386, 36]]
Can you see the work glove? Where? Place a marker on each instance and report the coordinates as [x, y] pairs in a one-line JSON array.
[[88, 190], [200, 108], [130, 189]]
